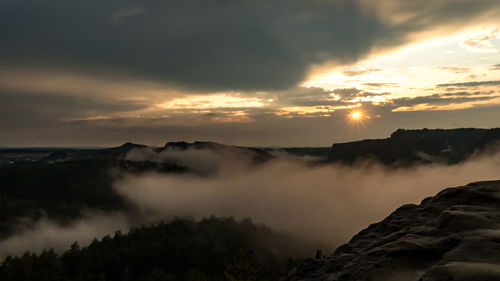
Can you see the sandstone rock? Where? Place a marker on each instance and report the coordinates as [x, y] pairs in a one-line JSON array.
[[454, 235]]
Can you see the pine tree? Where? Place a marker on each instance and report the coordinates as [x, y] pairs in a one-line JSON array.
[[242, 267]]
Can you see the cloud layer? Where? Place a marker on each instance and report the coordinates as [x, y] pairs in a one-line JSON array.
[[198, 44], [98, 73], [225, 45]]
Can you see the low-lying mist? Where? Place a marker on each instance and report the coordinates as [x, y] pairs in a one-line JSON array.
[[321, 203], [46, 234]]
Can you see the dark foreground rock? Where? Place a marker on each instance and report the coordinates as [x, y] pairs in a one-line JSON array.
[[454, 235]]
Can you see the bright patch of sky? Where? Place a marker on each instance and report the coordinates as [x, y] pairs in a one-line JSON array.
[[416, 69]]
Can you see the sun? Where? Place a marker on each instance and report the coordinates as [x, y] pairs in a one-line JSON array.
[[357, 118], [355, 115]]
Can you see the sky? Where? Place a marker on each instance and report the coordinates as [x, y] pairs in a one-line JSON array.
[[254, 73]]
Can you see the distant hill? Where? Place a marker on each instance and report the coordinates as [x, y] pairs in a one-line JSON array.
[[258, 154], [403, 147], [182, 145], [411, 146], [454, 235], [54, 154]]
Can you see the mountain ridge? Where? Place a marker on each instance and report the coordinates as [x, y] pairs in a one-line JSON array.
[[402, 147], [447, 146]]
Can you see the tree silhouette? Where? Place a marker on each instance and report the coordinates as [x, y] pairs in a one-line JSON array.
[[242, 267]]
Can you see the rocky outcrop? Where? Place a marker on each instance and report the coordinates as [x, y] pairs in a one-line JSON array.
[[454, 235], [418, 146]]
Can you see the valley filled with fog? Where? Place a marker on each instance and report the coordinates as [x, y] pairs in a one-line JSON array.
[[323, 204]]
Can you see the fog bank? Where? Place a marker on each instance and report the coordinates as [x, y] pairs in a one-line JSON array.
[[325, 203], [46, 234]]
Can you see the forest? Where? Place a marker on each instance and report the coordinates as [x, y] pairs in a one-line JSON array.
[[183, 249]]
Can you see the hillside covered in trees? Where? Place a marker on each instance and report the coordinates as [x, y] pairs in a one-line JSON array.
[[211, 249]]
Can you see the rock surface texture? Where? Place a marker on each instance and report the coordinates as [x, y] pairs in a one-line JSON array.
[[454, 235]]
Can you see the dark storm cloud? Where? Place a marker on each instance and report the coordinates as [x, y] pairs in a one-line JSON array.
[[495, 67], [213, 45], [27, 108], [202, 44], [120, 15], [471, 84]]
